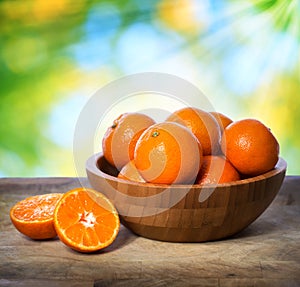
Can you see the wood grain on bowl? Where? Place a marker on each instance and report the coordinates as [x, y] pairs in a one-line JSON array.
[[186, 213]]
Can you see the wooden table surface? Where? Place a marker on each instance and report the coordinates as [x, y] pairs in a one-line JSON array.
[[267, 253]]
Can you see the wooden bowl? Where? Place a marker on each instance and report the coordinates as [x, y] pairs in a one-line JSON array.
[[186, 213]]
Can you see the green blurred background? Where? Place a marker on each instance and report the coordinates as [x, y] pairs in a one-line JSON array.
[[244, 56]]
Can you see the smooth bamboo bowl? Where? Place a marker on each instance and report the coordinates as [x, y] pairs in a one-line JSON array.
[[186, 213]]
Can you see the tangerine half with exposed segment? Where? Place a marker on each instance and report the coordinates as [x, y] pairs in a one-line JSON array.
[[86, 220], [33, 216]]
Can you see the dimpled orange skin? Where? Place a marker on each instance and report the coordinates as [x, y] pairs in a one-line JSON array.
[[216, 169], [120, 138], [130, 172], [202, 124], [250, 147], [168, 153]]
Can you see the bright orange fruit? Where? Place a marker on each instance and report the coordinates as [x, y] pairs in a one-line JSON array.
[[86, 220], [250, 146], [120, 138], [33, 216], [168, 153], [222, 120], [130, 172], [216, 169], [202, 124]]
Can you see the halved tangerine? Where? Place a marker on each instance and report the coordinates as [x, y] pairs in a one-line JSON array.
[[33, 216], [86, 220]]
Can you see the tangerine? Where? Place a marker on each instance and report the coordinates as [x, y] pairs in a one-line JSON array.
[[202, 124], [222, 120], [168, 153], [216, 169], [130, 172], [250, 146], [86, 220], [120, 138], [33, 216]]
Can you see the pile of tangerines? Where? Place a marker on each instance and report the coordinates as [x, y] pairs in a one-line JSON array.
[[191, 146]]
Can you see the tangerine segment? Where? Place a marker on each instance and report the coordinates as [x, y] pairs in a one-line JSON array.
[[33, 216], [168, 153], [86, 220]]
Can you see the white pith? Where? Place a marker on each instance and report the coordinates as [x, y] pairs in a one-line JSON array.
[[88, 219]]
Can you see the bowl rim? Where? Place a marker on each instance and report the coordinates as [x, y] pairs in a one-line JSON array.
[[92, 166]]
